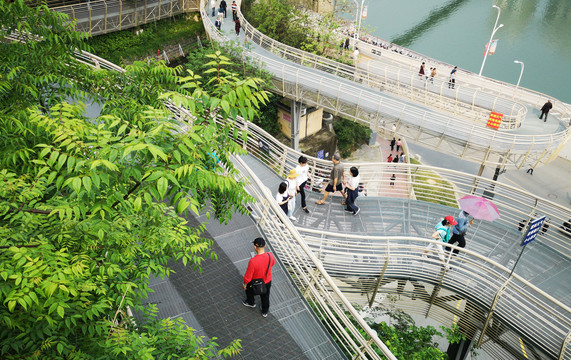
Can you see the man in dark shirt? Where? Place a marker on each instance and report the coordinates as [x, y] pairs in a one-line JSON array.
[[336, 179], [545, 109], [259, 267], [223, 5]]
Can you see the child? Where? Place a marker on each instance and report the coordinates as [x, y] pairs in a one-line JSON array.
[[282, 197], [352, 190], [291, 191], [302, 169], [443, 234]]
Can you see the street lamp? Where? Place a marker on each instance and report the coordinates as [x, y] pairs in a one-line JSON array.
[[520, 74], [496, 28], [359, 17]]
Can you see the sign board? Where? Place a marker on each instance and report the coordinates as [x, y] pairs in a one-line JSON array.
[[495, 120], [320, 154], [264, 146], [534, 228]]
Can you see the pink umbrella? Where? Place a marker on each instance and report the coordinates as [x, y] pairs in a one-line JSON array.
[[480, 208]]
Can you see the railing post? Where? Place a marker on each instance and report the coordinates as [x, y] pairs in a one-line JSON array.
[[120, 14], [491, 313], [381, 276], [105, 19]]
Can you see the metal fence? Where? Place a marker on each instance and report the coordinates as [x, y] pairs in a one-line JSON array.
[[104, 16], [340, 95]]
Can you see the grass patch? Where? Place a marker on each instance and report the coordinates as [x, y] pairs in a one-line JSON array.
[[430, 187], [125, 46]]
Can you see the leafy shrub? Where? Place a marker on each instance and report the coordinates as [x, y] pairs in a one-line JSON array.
[[350, 136]]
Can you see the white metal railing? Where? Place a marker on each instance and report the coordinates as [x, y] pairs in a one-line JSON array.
[[466, 140], [104, 16]]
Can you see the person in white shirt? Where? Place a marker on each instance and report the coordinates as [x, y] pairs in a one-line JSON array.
[[302, 170], [282, 197], [291, 191], [352, 189]]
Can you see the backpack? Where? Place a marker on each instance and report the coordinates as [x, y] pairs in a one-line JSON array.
[[446, 229]]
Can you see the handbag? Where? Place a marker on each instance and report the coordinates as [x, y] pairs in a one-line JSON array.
[[258, 285]]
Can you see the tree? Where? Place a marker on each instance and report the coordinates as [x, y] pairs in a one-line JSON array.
[[90, 208]]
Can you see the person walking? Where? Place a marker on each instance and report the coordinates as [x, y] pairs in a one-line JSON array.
[[432, 75], [336, 179], [218, 22], [421, 72], [393, 142], [393, 178], [282, 197], [259, 267], [237, 27], [234, 10], [442, 234], [390, 158], [396, 159], [213, 4], [459, 230], [452, 80], [399, 144], [292, 189], [223, 6], [302, 170], [545, 109], [352, 190], [402, 157]]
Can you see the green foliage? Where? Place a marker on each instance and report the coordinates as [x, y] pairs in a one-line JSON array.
[[125, 46], [90, 208], [267, 115], [350, 136]]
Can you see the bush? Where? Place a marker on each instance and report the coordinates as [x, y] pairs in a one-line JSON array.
[[350, 136], [126, 46]]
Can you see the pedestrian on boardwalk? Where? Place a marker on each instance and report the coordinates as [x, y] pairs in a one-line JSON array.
[[223, 6], [346, 46], [292, 189], [432, 75], [221, 14], [213, 4], [393, 178], [390, 158], [421, 73], [352, 191], [396, 159], [302, 170], [399, 144], [442, 234], [530, 171], [247, 42], [459, 230], [218, 22], [336, 179], [402, 157], [237, 27], [234, 10], [393, 142], [452, 81], [282, 197], [259, 267], [545, 226], [545, 109]]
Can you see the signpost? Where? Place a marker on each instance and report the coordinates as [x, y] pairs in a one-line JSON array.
[[532, 231]]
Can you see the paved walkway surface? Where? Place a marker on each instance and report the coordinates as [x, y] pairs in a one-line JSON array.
[[211, 301]]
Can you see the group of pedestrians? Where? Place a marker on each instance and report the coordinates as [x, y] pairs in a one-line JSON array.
[[222, 12], [430, 77], [450, 230]]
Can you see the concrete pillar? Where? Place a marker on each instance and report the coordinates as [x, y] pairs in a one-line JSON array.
[[295, 123]]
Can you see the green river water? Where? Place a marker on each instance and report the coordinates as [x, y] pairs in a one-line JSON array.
[[536, 32]]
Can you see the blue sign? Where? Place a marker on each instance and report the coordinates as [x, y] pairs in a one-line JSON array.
[[320, 154], [534, 227]]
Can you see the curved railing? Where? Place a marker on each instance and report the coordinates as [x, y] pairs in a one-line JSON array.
[[104, 16], [466, 140], [475, 294]]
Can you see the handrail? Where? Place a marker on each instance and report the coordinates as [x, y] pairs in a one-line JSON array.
[[380, 112]]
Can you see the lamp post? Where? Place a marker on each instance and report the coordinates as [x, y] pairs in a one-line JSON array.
[[496, 28], [520, 74], [358, 18]]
